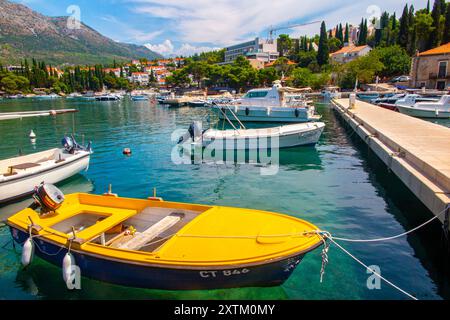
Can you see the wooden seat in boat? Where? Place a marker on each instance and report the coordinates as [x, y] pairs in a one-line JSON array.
[[114, 216], [141, 239]]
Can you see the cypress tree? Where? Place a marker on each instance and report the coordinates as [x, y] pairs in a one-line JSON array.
[[362, 40], [347, 34], [446, 35], [412, 39], [324, 50], [428, 6], [436, 36], [340, 34], [403, 32]]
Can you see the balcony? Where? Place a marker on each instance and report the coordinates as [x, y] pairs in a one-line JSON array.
[[435, 76]]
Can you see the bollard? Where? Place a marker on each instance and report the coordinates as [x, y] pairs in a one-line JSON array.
[[352, 101]]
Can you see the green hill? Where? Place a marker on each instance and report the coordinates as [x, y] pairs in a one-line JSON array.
[[25, 33]]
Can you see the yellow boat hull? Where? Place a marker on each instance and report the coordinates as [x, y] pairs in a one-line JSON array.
[[199, 247]]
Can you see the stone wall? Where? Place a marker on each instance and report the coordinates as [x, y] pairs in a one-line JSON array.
[[425, 69]]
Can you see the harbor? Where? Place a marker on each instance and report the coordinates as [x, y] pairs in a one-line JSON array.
[[338, 185], [240, 152]]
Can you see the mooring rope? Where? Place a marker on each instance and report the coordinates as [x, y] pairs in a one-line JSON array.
[[399, 235], [371, 270]]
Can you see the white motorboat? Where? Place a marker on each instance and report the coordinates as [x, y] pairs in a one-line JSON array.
[[276, 104], [108, 97], [427, 109], [331, 92], [47, 96], [19, 176], [292, 135], [139, 97]]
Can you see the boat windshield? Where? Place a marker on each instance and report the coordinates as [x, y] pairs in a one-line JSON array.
[[256, 94]]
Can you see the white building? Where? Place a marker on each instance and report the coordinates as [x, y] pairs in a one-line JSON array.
[[349, 53], [142, 78], [258, 49]]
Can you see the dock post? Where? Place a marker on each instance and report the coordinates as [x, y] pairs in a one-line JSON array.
[[445, 229]]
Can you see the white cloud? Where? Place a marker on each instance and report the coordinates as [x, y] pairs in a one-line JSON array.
[[165, 48], [224, 22], [168, 49]]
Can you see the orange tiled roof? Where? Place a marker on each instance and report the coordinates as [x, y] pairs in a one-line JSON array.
[[439, 50], [139, 73], [270, 64], [349, 49]]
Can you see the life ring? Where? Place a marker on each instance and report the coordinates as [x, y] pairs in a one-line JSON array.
[[297, 113], [247, 111]]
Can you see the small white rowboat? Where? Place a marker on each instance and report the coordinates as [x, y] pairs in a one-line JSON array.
[[19, 176]]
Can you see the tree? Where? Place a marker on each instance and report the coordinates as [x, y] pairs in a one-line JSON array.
[[424, 27], [283, 66], [305, 58], [364, 69], [340, 34], [334, 44], [411, 46], [9, 84], [403, 33], [436, 36], [323, 52], [395, 60], [284, 44], [302, 77], [363, 31], [267, 76], [446, 34], [347, 34]]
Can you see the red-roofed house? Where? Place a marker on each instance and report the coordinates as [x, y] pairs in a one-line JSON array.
[[116, 71], [430, 68], [349, 53]]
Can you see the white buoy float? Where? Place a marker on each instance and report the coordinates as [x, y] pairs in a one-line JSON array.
[[32, 135], [67, 268], [27, 252]]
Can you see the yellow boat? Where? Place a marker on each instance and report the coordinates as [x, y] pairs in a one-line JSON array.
[[163, 245]]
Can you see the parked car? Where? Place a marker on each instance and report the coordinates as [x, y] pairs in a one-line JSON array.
[[400, 79]]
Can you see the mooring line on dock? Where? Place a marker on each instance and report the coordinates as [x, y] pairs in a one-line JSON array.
[[399, 235]]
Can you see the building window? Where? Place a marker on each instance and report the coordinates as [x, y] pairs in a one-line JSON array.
[[442, 70], [440, 85]]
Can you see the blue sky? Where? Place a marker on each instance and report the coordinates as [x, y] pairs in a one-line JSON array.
[[174, 27]]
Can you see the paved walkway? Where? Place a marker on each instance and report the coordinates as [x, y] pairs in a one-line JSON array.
[[422, 146]]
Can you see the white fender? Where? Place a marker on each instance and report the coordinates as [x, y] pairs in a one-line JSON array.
[[27, 252], [68, 262], [235, 109], [269, 111]]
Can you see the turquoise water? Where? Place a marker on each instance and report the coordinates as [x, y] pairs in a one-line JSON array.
[[338, 185]]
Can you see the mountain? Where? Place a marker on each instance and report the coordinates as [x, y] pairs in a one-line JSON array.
[[25, 33]]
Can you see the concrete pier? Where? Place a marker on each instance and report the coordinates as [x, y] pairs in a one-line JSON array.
[[417, 151]]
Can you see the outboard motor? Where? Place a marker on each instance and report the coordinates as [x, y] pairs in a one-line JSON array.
[[71, 145], [48, 197], [194, 132], [68, 144]]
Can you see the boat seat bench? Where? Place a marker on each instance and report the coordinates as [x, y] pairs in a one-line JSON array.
[[142, 238], [113, 216]]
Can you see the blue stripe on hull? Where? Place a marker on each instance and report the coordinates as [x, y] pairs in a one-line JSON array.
[[133, 275]]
